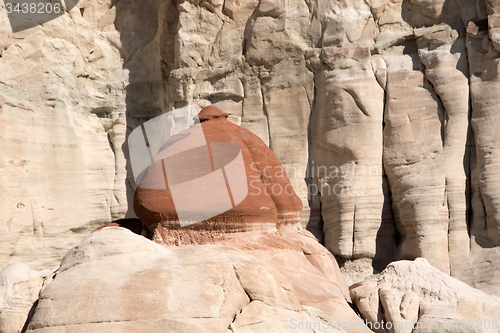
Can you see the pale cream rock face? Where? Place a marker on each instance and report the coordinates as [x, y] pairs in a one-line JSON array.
[[20, 287], [62, 125], [407, 292], [117, 281], [383, 113]]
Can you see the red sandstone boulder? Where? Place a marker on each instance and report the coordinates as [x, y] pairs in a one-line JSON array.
[[261, 195]]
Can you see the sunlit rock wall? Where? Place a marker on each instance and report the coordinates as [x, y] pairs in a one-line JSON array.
[[383, 113]]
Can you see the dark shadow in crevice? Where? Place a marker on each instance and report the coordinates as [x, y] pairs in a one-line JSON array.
[[132, 224], [313, 195], [31, 313], [147, 59], [387, 238]]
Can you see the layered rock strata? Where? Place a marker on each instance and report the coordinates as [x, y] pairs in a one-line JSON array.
[[377, 112], [62, 127]]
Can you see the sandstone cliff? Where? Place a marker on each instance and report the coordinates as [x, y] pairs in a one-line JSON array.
[[383, 113]]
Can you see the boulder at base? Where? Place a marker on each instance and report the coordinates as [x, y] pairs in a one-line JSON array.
[[117, 281], [415, 297]]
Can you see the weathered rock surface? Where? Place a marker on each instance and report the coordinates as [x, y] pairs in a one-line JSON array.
[[20, 288], [407, 292], [381, 113], [384, 115], [62, 126], [116, 281]]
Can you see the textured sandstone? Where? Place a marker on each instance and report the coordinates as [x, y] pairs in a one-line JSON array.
[[383, 114], [409, 291], [20, 288], [203, 288], [62, 125], [386, 89]]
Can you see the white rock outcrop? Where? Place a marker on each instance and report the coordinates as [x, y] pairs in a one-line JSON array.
[[415, 297], [117, 281], [20, 288], [62, 127]]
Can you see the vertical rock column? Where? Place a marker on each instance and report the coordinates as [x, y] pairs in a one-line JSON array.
[[413, 145], [346, 131], [442, 52], [483, 54], [425, 145], [275, 39], [287, 93]]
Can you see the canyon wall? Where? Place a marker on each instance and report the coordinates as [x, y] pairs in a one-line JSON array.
[[62, 127], [383, 113]]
